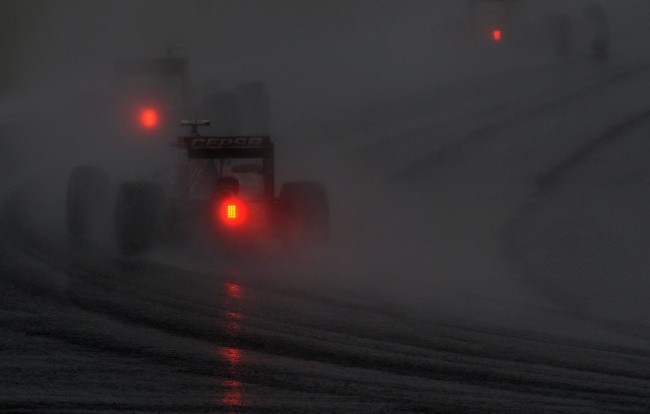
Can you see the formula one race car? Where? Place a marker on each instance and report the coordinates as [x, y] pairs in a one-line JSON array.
[[225, 187]]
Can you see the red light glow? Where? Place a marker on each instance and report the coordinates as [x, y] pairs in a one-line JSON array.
[[233, 325], [231, 355], [232, 212], [232, 395], [149, 118], [233, 315], [234, 290], [497, 35]]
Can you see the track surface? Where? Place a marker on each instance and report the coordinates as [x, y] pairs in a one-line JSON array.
[[88, 331], [85, 330]]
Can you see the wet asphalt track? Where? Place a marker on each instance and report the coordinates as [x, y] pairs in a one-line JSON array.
[[85, 330]]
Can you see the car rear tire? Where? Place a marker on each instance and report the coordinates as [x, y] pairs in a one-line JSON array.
[[137, 208], [303, 215], [86, 194]]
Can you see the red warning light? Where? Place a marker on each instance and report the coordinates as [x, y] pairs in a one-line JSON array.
[[149, 118], [497, 35], [232, 212]]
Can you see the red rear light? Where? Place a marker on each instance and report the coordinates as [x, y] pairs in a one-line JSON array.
[[232, 212], [497, 35], [149, 118]]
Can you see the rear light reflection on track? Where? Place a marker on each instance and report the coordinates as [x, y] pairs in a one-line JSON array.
[[233, 396], [233, 327], [232, 356], [233, 290], [231, 393]]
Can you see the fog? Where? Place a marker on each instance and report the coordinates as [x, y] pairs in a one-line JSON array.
[[378, 99]]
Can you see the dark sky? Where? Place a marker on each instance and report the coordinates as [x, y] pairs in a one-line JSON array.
[[333, 50], [69, 35]]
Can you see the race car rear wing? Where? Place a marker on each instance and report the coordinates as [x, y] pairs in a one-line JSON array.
[[207, 147], [226, 147]]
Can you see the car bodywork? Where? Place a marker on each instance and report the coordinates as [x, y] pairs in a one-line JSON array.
[[224, 188]]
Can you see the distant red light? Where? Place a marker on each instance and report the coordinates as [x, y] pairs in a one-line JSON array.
[[149, 118], [497, 35]]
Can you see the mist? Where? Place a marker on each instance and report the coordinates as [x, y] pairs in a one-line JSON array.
[[379, 100], [463, 226]]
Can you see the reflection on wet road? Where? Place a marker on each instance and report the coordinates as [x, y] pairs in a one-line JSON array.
[[232, 386], [174, 340]]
